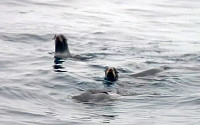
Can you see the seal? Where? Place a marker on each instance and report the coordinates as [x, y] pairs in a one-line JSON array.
[[94, 95], [61, 46], [62, 49], [111, 73]]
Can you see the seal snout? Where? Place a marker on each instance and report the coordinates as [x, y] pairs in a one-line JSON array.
[[111, 74], [60, 38]]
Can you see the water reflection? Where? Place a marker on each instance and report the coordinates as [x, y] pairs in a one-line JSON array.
[[104, 112], [105, 81], [108, 83], [58, 65]]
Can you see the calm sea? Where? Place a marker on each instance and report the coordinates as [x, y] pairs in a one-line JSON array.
[[131, 35]]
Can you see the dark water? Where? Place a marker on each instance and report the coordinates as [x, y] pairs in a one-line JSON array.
[[130, 35]]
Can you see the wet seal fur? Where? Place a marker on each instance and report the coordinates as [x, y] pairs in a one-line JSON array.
[[150, 72], [94, 95]]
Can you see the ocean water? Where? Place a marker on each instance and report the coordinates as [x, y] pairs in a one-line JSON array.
[[134, 35]]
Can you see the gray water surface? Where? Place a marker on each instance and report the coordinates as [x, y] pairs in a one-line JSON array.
[[132, 36]]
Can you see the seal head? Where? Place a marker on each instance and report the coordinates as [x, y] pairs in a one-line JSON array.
[[61, 46], [111, 74]]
